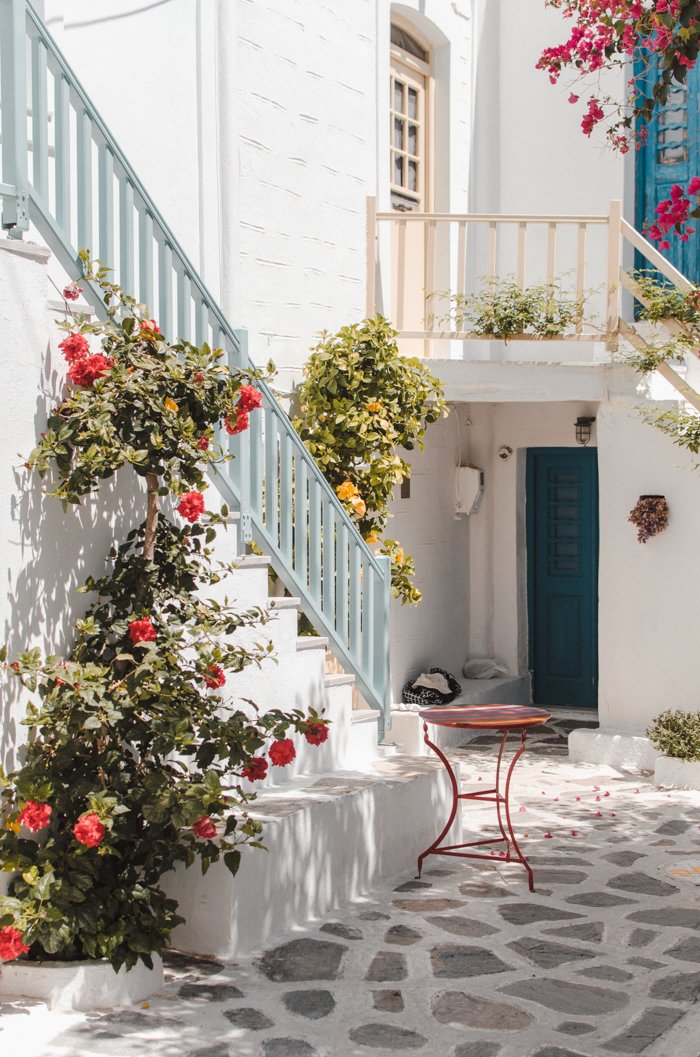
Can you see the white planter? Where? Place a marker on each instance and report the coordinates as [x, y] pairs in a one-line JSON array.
[[677, 774], [80, 985]]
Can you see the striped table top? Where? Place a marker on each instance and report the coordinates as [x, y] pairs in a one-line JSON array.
[[483, 716]]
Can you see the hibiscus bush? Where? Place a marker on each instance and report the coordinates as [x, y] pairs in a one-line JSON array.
[[136, 760], [361, 402]]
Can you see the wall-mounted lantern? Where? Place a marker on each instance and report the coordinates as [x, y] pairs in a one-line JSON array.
[[583, 430]]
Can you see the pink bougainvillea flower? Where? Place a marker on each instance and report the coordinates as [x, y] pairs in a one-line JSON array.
[[149, 328], [613, 815], [548, 836], [606, 793], [191, 506], [74, 347], [72, 292], [282, 752], [597, 800], [203, 443], [86, 370], [521, 808], [215, 677], [256, 769], [35, 816], [89, 830], [599, 814], [573, 98], [574, 833], [11, 945], [204, 827], [142, 631]]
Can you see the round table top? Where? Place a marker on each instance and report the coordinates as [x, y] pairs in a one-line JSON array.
[[512, 717]]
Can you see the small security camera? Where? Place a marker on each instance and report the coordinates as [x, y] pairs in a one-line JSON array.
[[505, 452]]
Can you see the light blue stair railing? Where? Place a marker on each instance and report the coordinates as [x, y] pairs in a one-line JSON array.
[[62, 171]]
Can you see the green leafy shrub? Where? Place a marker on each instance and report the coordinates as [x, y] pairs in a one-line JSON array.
[[503, 309], [661, 300], [677, 733], [361, 402], [136, 760]]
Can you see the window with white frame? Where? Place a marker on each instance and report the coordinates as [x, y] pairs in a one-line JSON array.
[[409, 132]]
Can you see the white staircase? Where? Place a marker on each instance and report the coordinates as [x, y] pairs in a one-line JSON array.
[[338, 820]]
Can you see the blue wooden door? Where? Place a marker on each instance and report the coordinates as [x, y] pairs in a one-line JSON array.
[[671, 155], [562, 548]]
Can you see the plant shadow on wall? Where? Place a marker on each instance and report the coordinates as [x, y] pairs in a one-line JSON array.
[[504, 309], [136, 761], [361, 403]]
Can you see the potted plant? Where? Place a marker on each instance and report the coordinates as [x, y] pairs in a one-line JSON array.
[[136, 761], [650, 515], [676, 734]]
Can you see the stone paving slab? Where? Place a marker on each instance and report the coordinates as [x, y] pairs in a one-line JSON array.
[[602, 959]]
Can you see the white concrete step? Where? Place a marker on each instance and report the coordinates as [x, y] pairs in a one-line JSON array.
[[407, 727], [330, 838]]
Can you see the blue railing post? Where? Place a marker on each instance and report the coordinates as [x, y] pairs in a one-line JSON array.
[[241, 447], [13, 116], [382, 642]]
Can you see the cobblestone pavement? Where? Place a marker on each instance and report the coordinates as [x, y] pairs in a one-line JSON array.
[[603, 959]]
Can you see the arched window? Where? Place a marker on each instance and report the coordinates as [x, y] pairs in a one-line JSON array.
[[410, 132]]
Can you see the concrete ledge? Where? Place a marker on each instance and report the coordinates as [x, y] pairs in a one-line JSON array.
[[672, 773], [327, 842], [614, 748]]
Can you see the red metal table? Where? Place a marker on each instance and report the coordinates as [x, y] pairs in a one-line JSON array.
[[505, 719]]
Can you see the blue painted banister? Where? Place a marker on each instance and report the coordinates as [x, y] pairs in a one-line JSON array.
[[82, 193]]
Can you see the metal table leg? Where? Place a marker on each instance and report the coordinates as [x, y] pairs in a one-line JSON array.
[[500, 798]]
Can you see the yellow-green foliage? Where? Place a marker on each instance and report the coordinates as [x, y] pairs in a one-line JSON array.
[[361, 403]]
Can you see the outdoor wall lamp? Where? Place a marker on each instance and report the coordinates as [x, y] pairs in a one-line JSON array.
[[583, 430]]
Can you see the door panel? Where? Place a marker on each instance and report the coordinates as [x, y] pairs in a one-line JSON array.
[[562, 546]]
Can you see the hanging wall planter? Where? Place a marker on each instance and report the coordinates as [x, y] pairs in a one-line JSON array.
[[650, 515]]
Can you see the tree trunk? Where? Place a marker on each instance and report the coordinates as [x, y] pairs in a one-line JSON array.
[[149, 545]]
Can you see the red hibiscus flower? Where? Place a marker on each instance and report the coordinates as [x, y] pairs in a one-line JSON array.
[[191, 506], [236, 422], [35, 816], [204, 827], [85, 371], [249, 398], [203, 443], [216, 677], [316, 733], [74, 347], [89, 830], [72, 292], [256, 769], [149, 328], [282, 752], [11, 945], [141, 631]]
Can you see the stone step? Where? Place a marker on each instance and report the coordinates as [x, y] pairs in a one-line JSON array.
[[330, 838], [312, 642]]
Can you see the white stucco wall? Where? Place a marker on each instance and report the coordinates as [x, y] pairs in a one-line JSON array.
[[434, 633], [530, 155], [260, 129], [46, 552], [648, 592]]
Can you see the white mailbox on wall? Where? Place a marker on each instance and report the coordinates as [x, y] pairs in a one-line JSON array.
[[469, 488]]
